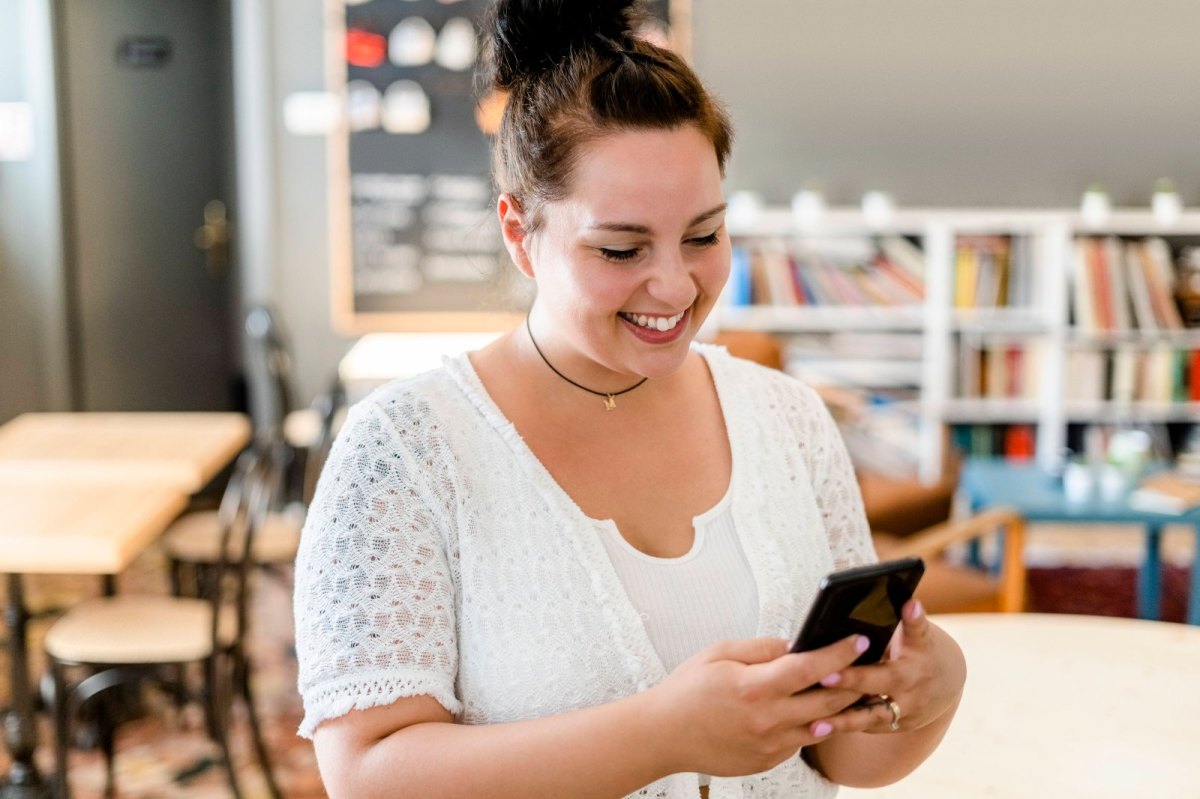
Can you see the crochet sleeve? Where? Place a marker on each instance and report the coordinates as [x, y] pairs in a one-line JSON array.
[[374, 603]]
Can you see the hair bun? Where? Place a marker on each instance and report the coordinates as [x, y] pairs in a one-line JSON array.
[[528, 37]]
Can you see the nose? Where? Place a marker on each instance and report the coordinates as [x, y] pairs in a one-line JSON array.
[[671, 282]]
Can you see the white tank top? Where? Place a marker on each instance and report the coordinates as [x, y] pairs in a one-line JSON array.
[[704, 596]]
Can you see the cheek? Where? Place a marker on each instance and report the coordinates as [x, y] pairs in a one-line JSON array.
[[715, 267], [600, 288]]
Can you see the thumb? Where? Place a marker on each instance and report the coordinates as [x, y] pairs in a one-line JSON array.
[[749, 650], [915, 625]]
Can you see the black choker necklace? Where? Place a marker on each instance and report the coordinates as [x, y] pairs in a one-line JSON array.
[[610, 399]]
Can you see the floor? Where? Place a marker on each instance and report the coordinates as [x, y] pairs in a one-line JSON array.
[[167, 754]]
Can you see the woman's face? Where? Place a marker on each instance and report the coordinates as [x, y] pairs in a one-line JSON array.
[[631, 262]]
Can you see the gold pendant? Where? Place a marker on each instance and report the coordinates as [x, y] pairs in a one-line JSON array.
[[610, 403]]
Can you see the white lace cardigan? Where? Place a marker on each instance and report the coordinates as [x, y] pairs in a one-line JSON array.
[[440, 557]]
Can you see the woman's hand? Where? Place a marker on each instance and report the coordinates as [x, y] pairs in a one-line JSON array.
[[740, 707], [923, 674]]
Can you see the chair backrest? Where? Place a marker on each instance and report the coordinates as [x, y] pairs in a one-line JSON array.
[[269, 362], [331, 406], [255, 483]]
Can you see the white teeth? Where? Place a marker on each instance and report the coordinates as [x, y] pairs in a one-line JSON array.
[[660, 323]]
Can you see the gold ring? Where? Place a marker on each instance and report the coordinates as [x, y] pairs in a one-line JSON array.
[[895, 708]]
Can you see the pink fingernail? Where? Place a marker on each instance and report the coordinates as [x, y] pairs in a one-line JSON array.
[[918, 611], [831, 680], [822, 728], [862, 644]]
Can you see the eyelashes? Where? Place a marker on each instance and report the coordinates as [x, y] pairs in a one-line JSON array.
[[621, 256]]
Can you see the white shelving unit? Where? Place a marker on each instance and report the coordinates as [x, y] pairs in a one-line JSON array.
[[1046, 319]]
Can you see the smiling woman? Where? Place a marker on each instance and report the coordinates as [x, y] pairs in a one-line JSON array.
[[507, 587]]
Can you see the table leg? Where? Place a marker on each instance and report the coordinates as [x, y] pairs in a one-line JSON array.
[[20, 726], [1193, 608], [1150, 576]]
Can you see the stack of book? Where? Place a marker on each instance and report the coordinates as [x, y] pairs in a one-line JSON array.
[[1166, 492], [833, 272], [1152, 372], [1016, 442], [993, 272], [1123, 285], [995, 369]]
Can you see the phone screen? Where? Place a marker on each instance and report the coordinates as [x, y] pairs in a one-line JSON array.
[[865, 600]]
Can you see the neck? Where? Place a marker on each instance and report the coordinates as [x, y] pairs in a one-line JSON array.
[[598, 390]]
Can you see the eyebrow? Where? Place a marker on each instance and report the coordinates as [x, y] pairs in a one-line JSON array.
[[629, 227]]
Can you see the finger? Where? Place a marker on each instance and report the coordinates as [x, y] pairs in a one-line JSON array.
[[914, 633], [885, 677], [748, 650], [874, 717], [797, 671], [819, 703]]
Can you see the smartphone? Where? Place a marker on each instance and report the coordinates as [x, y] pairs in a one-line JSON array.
[[865, 600]]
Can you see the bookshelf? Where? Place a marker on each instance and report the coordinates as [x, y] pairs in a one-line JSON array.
[[1023, 320]]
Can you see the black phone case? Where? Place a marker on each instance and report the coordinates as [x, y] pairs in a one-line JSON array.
[[865, 600]]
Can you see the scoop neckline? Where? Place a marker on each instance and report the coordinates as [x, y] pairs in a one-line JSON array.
[[700, 525], [461, 367]]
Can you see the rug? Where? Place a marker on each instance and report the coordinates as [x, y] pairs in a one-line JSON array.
[[1108, 591]]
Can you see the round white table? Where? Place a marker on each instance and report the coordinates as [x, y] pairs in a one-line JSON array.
[[1067, 706]]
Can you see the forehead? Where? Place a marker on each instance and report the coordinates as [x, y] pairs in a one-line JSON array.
[[635, 175]]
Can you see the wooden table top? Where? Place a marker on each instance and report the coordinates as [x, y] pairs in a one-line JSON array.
[[1059, 706], [182, 450], [80, 528]]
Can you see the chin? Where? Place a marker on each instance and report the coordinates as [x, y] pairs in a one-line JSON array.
[[667, 363]]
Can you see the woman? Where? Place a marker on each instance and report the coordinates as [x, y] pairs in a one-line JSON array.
[[567, 565]]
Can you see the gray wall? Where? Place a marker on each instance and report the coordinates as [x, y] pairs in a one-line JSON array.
[[34, 369], [974, 102], [301, 280]]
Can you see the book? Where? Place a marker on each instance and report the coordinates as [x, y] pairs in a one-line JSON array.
[[1139, 291], [905, 255], [1102, 292], [966, 276], [1020, 273], [970, 367], [1194, 376], [1160, 278], [1123, 383], [903, 277], [1166, 492], [1114, 261], [1020, 442], [740, 277], [777, 271], [1083, 308]]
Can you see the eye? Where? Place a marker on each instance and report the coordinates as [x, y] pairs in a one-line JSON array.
[[619, 255], [705, 241]]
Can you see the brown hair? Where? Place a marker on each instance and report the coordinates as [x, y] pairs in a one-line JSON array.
[[573, 71]]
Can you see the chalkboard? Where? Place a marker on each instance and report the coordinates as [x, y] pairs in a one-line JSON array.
[[416, 240]]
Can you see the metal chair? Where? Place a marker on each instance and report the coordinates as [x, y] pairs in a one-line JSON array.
[[297, 440], [133, 640]]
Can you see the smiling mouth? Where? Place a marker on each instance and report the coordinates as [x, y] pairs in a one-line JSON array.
[[659, 323]]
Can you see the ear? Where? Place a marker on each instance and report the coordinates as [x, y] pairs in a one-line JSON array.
[[512, 227]]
